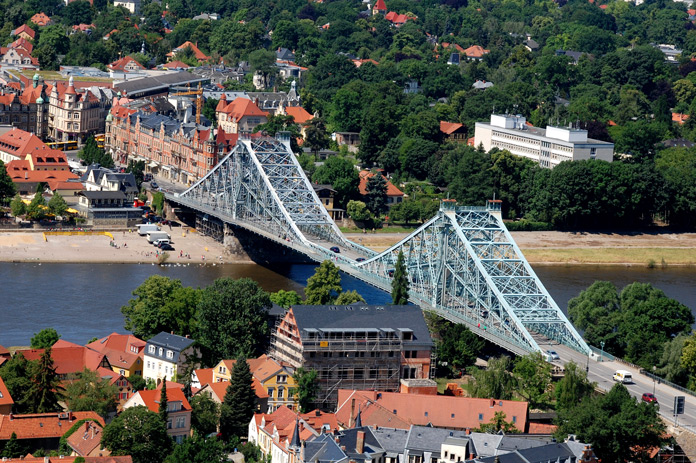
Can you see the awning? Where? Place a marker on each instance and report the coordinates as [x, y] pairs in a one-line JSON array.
[[152, 164], [72, 211]]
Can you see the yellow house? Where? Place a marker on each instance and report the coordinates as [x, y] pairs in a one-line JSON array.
[[124, 351], [276, 379]]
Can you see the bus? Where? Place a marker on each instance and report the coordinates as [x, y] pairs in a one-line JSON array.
[[100, 140], [62, 145]]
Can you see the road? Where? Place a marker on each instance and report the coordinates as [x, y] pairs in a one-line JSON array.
[[602, 372]]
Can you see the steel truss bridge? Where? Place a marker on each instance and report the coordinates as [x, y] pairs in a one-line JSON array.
[[462, 264]]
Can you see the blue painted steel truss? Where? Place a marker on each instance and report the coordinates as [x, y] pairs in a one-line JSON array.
[[463, 264]]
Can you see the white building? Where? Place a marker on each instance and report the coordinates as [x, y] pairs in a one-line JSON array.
[[548, 147], [165, 354]]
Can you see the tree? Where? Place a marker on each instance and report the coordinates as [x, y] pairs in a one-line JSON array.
[[348, 297], [7, 186], [285, 299], [205, 414], [263, 62], [45, 390], [307, 388], [495, 382], [533, 376], [498, 424], [376, 196], [573, 388], [163, 403], [15, 373], [400, 284], [358, 211], [88, 392], [158, 202], [457, 346], [161, 304], [620, 428], [57, 204], [37, 208], [232, 318], [341, 174], [92, 154], [137, 382], [198, 449], [17, 206], [324, 286], [316, 138], [44, 338], [239, 404], [13, 449], [137, 168], [137, 432]]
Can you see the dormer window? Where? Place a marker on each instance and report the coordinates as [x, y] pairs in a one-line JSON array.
[[161, 352], [151, 349], [170, 354]]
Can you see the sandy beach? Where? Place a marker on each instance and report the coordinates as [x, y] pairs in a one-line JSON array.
[[127, 248], [190, 247]]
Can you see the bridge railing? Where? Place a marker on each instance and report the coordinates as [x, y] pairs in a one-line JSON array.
[[661, 380]]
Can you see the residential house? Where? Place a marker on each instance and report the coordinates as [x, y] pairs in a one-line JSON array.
[[176, 65], [326, 196], [198, 54], [165, 355], [453, 131], [679, 118], [178, 409], [217, 390], [531, 45], [19, 57], [41, 19], [126, 65], [475, 52], [131, 5], [399, 20], [84, 28], [239, 116], [4, 355], [482, 85], [125, 352], [394, 195], [74, 115], [379, 8], [108, 200], [26, 108], [86, 441], [6, 401], [574, 55], [24, 32], [41, 430], [354, 346], [423, 409], [97, 178], [70, 359], [300, 115], [348, 139], [549, 147]]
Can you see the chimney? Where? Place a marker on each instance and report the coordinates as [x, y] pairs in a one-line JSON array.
[[471, 456], [492, 403], [468, 431], [360, 441], [352, 413], [86, 426]]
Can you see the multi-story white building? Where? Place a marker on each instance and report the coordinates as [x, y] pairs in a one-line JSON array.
[[549, 147], [165, 354]]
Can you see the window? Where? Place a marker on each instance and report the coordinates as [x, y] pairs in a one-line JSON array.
[[181, 422], [122, 372], [480, 416], [170, 354], [151, 349], [452, 416], [281, 391], [282, 378], [270, 392], [514, 419], [169, 424], [222, 370]]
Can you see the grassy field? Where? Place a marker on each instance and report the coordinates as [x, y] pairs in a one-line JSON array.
[[649, 257], [55, 75]]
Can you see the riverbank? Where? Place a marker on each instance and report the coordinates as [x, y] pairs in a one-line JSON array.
[[553, 248], [131, 248], [570, 248]]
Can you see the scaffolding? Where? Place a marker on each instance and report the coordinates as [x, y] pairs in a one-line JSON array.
[[210, 226]]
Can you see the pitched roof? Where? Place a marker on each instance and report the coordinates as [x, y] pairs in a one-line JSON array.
[[204, 375], [220, 389], [68, 357], [42, 425], [26, 29], [450, 127], [20, 172], [120, 64], [440, 411], [241, 107], [122, 350], [380, 6], [151, 398], [22, 43], [176, 65], [475, 51], [200, 56], [5, 397], [365, 176], [41, 19], [299, 114], [169, 341], [19, 143], [86, 439]]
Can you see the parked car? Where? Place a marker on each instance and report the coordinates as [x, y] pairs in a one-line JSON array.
[[552, 355], [147, 178], [335, 249], [154, 186], [167, 247], [649, 397]]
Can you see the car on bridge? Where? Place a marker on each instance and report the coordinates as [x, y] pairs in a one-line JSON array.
[[552, 355], [649, 397], [335, 249], [360, 259]]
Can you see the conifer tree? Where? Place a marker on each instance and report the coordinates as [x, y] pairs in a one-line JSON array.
[[45, 390], [163, 402], [400, 285], [239, 403]]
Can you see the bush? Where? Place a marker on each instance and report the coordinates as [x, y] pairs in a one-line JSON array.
[[526, 225]]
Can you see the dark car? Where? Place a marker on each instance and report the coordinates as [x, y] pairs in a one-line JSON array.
[[335, 249], [167, 247], [390, 272], [649, 397], [154, 186], [360, 259], [147, 177]]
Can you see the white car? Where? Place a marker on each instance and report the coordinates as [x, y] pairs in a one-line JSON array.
[[552, 355]]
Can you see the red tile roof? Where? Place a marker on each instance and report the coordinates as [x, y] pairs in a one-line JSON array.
[[66, 459], [83, 27], [450, 127], [120, 64], [360, 62], [28, 146], [5, 397], [151, 398], [200, 56], [122, 350], [679, 118], [365, 176], [475, 51], [380, 6], [69, 357], [40, 19], [204, 375], [26, 29], [176, 65], [42, 425], [299, 114], [441, 411], [241, 107], [86, 439], [220, 388], [23, 44], [457, 47]]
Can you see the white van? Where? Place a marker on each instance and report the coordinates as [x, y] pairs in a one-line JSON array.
[[161, 241], [144, 228], [157, 235], [623, 376]]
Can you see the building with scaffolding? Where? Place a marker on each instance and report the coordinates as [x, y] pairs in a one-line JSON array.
[[355, 346]]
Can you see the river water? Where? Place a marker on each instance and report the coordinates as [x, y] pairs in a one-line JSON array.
[[82, 301]]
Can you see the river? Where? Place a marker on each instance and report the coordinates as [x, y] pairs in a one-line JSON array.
[[82, 301]]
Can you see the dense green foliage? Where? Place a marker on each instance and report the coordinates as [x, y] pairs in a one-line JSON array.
[[137, 432], [92, 154], [88, 392], [239, 403], [205, 414], [7, 187], [400, 283], [44, 338], [307, 388], [16, 374], [197, 449], [324, 286], [45, 389], [634, 324], [573, 387], [285, 299]]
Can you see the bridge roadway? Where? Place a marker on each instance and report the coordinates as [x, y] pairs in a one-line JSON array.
[[602, 372]]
